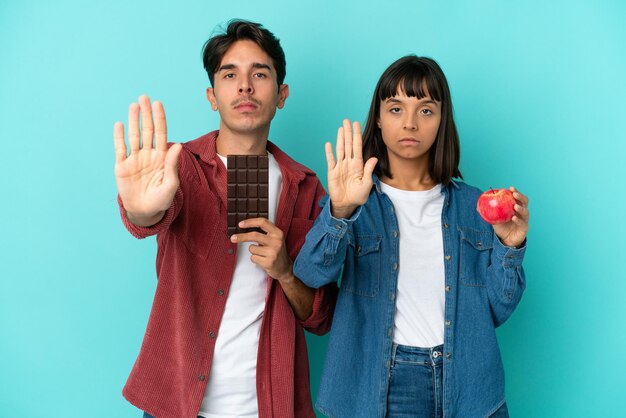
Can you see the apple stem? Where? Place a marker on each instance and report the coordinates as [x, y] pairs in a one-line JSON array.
[[491, 188]]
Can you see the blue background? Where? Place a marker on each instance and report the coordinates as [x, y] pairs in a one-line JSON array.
[[538, 89]]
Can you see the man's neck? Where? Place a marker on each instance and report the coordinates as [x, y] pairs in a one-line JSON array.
[[237, 143]]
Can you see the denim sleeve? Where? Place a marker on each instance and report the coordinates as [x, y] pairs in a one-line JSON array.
[[322, 256], [506, 280]]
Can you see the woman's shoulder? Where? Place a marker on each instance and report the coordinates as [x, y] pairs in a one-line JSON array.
[[465, 190]]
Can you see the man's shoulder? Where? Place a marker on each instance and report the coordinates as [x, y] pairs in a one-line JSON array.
[[202, 144]]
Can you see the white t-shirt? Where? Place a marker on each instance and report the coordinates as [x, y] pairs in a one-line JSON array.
[[231, 389], [420, 297]]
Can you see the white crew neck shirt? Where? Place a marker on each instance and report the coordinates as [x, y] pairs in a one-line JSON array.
[[420, 298], [231, 389]]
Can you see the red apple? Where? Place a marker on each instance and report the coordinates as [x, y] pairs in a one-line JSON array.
[[496, 206]]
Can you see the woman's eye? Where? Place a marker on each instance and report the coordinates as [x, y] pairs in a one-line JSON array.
[[395, 110], [427, 112]]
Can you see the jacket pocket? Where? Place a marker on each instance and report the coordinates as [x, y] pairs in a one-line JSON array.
[[199, 222], [475, 253], [361, 274]]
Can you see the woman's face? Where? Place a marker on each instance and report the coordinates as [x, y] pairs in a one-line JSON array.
[[409, 127]]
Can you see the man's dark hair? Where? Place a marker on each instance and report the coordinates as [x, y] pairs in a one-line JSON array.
[[238, 30], [410, 75]]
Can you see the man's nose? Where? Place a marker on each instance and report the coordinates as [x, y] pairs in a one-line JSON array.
[[246, 87]]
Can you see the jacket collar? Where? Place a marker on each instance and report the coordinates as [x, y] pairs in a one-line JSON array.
[[204, 147], [376, 181]]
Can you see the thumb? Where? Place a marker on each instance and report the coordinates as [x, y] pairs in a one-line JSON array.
[[369, 167], [171, 160]]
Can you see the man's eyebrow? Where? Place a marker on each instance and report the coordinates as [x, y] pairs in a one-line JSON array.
[[226, 67], [260, 65], [233, 66]]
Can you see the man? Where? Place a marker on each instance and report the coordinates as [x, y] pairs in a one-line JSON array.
[[225, 335]]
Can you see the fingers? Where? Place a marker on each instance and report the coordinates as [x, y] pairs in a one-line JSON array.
[[274, 233], [147, 127], [370, 165], [133, 127], [160, 126], [521, 198], [171, 161], [118, 142], [520, 223], [255, 237], [330, 159], [521, 208], [347, 134], [521, 213], [263, 223], [357, 141], [340, 144]]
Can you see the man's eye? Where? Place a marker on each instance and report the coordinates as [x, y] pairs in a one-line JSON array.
[[229, 75], [260, 75]]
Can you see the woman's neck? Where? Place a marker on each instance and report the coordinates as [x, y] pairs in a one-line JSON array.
[[409, 176]]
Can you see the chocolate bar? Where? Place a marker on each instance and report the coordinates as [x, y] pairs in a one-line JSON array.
[[247, 191]]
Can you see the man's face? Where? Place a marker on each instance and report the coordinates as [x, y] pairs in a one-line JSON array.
[[245, 90]]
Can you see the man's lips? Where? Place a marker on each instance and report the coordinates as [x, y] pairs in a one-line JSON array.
[[246, 106]]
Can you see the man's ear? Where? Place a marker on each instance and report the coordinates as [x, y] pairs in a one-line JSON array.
[[210, 95], [283, 93]]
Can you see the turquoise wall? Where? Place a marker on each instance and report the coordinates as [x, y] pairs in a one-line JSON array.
[[538, 89]]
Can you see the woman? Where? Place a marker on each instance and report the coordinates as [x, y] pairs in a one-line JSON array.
[[425, 280]]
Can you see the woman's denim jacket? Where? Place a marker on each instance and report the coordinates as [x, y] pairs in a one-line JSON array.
[[484, 281]]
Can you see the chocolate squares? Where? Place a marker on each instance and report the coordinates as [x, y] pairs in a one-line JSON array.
[[247, 190]]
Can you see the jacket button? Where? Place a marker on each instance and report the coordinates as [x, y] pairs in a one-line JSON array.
[[220, 292], [448, 355], [447, 288], [395, 234], [448, 323], [395, 266], [447, 258], [201, 378], [445, 225], [211, 335], [230, 251]]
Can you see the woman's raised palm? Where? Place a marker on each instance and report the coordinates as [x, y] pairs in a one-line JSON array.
[[349, 180]]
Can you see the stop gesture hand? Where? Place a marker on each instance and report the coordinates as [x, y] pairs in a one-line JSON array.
[[147, 178], [349, 180]]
